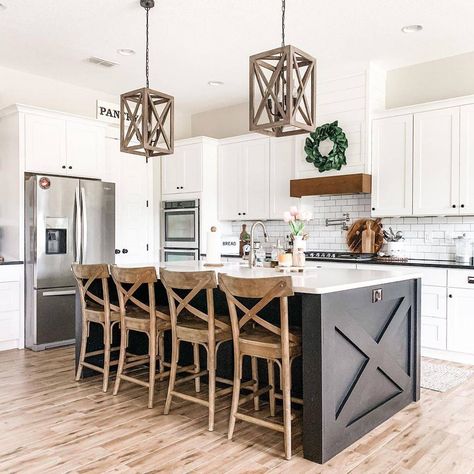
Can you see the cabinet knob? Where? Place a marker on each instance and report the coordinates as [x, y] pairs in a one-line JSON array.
[[70, 167], [182, 187], [240, 213], [63, 167], [462, 205], [454, 206], [117, 251], [373, 208], [177, 187], [124, 250], [450, 296], [244, 213]]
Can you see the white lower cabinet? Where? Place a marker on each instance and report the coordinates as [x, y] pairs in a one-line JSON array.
[[433, 333], [461, 320], [11, 306]]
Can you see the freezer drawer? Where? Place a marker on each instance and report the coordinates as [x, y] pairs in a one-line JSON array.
[[55, 309]]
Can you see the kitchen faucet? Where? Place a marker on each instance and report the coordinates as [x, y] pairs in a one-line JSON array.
[[252, 249]]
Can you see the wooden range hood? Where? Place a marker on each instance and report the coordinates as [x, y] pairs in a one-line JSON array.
[[346, 184]]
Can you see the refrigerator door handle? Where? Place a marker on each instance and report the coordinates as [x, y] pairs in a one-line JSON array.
[[77, 227], [84, 225], [59, 293]]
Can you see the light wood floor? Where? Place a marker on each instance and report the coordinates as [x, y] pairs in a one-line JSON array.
[[49, 423]]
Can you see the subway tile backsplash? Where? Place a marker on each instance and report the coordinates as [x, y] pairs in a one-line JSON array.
[[425, 237]]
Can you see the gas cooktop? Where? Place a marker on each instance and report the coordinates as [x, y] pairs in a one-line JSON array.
[[339, 255]]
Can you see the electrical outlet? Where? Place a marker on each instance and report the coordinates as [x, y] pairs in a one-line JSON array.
[[428, 237]]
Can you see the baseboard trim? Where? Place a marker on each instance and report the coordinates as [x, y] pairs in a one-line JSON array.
[[459, 357]]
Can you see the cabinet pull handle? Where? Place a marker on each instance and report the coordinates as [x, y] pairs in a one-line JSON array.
[[470, 280], [117, 251], [124, 250]]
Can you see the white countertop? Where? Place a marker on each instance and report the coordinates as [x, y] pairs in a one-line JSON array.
[[313, 280]]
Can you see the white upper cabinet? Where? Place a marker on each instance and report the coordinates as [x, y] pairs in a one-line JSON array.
[[392, 164], [282, 170], [436, 162], [45, 144], [466, 175], [62, 146], [244, 174], [182, 171], [85, 145]]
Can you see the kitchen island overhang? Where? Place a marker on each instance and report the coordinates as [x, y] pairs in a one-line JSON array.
[[361, 348]]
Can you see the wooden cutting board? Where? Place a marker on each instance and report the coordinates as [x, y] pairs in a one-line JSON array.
[[354, 235]]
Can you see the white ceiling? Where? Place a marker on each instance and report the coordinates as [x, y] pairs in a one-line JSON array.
[[194, 41]]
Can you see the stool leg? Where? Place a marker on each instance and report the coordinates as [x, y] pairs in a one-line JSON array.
[[235, 393], [161, 352], [197, 367], [211, 368], [107, 331], [174, 366], [123, 350], [152, 373], [83, 350], [271, 381], [256, 400], [286, 379]]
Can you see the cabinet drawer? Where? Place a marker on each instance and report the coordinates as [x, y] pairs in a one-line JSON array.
[[9, 326], [10, 272], [461, 279], [433, 301], [430, 276], [433, 333]]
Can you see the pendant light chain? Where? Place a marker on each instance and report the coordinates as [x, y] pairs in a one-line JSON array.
[[147, 65], [283, 11]]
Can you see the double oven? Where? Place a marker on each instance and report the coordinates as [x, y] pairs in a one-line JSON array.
[[180, 229]]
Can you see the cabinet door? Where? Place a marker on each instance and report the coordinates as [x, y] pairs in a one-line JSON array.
[[132, 215], [282, 170], [433, 333], [392, 163], [461, 320], [433, 301], [230, 166], [466, 176], [255, 185], [85, 149], [192, 166], [436, 162], [45, 144], [172, 172]]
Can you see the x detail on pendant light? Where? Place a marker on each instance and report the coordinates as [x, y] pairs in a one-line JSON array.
[[282, 90], [149, 130]]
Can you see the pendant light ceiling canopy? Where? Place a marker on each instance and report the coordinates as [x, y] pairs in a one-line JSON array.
[[147, 115], [282, 90]]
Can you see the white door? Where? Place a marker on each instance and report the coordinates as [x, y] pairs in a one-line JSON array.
[[85, 148], [172, 172], [230, 164], [192, 157], [392, 164], [461, 320], [466, 185], [255, 183], [133, 214], [45, 144], [282, 170], [436, 162]]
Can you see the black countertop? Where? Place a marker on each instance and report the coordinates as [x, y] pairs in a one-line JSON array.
[[410, 262], [12, 262]]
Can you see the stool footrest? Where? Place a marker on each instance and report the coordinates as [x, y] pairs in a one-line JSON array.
[[190, 398], [93, 367], [134, 380], [190, 377], [260, 422], [293, 399], [252, 395]]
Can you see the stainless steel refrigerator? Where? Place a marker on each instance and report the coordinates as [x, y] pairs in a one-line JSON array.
[[66, 220]]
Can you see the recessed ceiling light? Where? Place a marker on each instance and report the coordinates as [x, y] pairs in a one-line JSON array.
[[126, 51], [215, 83], [412, 28], [3, 6]]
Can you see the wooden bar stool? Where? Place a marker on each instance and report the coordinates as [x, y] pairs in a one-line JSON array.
[[135, 315], [95, 308], [189, 324], [255, 337]]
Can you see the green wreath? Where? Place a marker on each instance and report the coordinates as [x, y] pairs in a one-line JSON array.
[[336, 157]]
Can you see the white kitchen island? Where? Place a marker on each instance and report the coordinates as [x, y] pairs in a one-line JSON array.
[[361, 347]]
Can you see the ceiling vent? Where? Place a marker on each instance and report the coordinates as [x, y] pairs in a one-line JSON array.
[[101, 62]]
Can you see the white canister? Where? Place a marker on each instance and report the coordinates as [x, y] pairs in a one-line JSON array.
[[395, 249]]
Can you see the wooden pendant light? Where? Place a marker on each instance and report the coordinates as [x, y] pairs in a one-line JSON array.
[[282, 90], [149, 130]]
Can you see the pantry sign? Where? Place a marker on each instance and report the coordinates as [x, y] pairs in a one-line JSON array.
[[109, 112]]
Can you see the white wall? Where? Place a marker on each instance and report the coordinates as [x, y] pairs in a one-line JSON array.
[[430, 81], [30, 89]]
